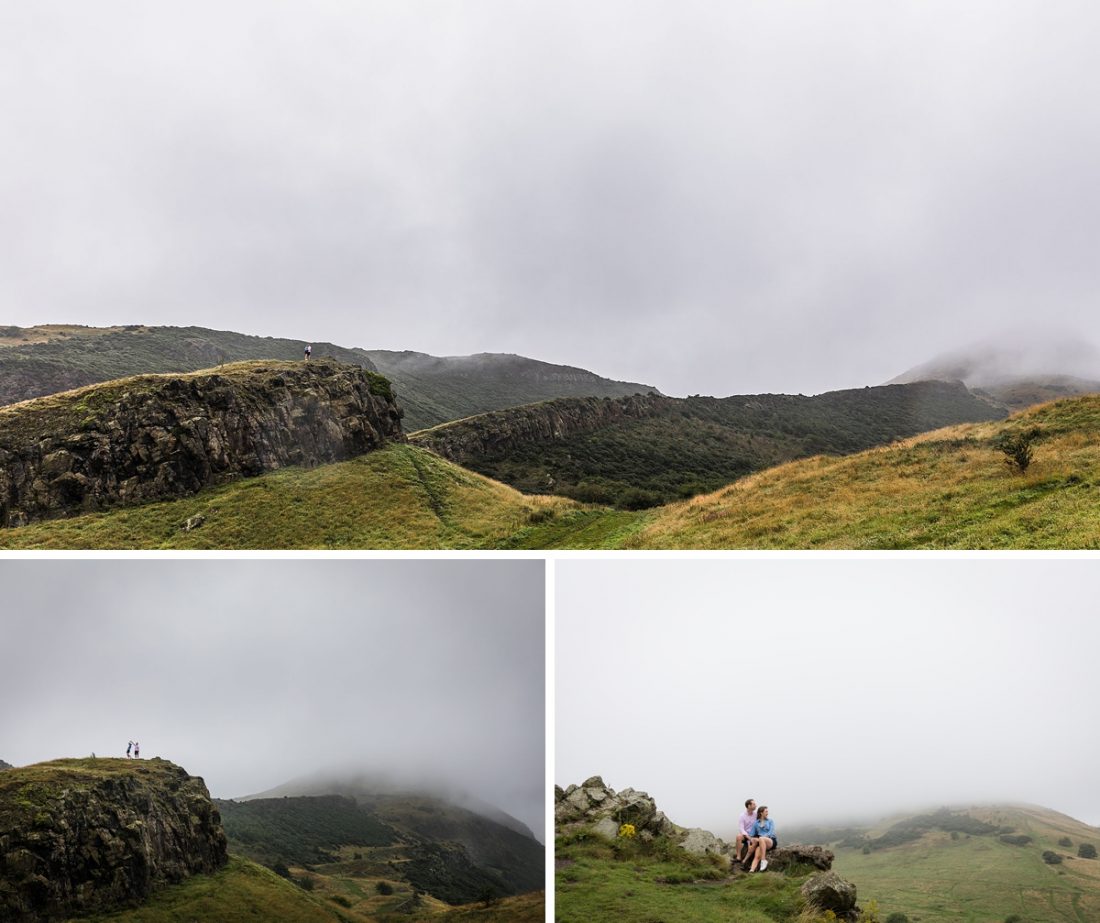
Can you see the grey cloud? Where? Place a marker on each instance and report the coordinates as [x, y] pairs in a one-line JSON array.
[[715, 198], [250, 673], [828, 689]]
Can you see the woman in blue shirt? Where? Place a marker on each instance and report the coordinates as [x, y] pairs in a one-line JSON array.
[[764, 832]]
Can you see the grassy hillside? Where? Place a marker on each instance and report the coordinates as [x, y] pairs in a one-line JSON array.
[[56, 358], [434, 389], [397, 497], [947, 489], [245, 892], [36, 361], [634, 882], [683, 447], [299, 830], [950, 488], [938, 874]]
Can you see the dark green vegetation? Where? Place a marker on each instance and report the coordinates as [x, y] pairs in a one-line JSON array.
[[973, 866], [433, 389], [334, 837], [636, 882], [36, 361], [71, 357], [299, 831], [668, 449]]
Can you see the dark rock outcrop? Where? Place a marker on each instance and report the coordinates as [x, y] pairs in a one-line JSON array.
[[497, 433], [84, 836], [828, 891], [4, 765], [160, 437]]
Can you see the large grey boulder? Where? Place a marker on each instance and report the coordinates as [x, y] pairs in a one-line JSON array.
[[828, 891]]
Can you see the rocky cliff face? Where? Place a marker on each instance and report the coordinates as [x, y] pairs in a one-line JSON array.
[[84, 836], [502, 431], [158, 437]]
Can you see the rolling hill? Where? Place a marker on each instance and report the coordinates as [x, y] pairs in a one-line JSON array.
[[641, 451], [434, 389], [1017, 374], [975, 864], [950, 488], [36, 361]]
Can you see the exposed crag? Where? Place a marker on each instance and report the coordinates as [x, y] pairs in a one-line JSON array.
[[94, 835], [497, 434], [157, 437]]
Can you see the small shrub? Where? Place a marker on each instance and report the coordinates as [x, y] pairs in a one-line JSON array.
[[384, 887], [1017, 448], [866, 850], [1086, 851], [1018, 839], [1014, 918], [635, 498], [897, 917], [344, 902], [306, 884], [542, 514], [1065, 841], [1051, 858], [280, 869], [954, 834], [628, 831]]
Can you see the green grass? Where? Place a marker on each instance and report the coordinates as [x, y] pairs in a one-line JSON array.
[[397, 497], [938, 878], [242, 891], [633, 883], [947, 489]]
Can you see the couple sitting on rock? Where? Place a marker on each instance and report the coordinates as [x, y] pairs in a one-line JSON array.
[[757, 833]]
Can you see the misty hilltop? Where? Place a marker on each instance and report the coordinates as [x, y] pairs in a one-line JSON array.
[[1017, 371], [982, 862]]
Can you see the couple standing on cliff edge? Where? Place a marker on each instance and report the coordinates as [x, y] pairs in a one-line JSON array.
[[757, 833]]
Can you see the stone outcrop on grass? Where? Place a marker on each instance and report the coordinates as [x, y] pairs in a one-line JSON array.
[[828, 891], [91, 836], [592, 804], [166, 436]]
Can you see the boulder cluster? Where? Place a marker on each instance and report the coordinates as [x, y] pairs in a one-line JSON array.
[[595, 806]]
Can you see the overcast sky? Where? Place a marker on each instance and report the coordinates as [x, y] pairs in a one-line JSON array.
[[250, 673], [832, 689], [760, 195]]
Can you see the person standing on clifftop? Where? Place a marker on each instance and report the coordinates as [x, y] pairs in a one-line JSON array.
[[308, 351], [137, 750], [744, 831], [129, 747]]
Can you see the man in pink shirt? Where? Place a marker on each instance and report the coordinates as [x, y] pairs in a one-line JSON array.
[[745, 824]]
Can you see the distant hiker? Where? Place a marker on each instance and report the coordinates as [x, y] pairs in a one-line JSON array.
[[309, 352], [137, 750], [744, 832], [129, 747], [764, 833]]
